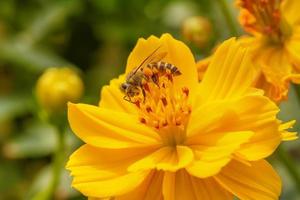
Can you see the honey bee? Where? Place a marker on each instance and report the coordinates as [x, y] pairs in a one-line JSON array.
[[150, 69]]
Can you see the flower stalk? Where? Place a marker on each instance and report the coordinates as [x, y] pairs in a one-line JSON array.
[[228, 17], [58, 158], [289, 165]]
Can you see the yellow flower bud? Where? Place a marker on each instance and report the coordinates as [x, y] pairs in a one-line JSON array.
[[197, 30], [57, 86]]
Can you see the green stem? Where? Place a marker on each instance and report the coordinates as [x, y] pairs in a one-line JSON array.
[[58, 161], [290, 166], [297, 91], [57, 165], [228, 16]]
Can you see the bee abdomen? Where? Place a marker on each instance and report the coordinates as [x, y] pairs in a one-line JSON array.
[[162, 67]]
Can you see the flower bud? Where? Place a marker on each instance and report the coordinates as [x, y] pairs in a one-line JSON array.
[[197, 30], [57, 86]]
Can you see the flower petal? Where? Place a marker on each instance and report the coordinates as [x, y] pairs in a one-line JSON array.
[[181, 185], [166, 158], [258, 114], [277, 70], [229, 75], [285, 134], [214, 150], [258, 181], [178, 54], [254, 113], [150, 189], [292, 46], [112, 97], [95, 198], [290, 10], [202, 66], [109, 129], [99, 172]]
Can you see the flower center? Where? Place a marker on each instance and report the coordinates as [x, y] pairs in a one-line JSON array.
[[264, 16], [164, 106]]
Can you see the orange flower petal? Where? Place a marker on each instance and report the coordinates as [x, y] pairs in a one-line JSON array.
[[178, 54], [258, 181], [181, 185], [95, 168], [109, 129]]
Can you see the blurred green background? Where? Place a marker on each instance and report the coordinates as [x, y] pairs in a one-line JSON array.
[[95, 36]]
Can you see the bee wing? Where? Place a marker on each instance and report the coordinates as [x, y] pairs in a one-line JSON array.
[[148, 59], [158, 57]]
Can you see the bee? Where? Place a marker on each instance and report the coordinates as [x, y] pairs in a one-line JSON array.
[[156, 69], [150, 69]]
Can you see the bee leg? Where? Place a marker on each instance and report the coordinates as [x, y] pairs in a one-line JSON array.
[[144, 95], [154, 78], [146, 78], [127, 98]]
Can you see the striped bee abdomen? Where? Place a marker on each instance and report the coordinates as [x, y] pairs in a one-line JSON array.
[[162, 67]]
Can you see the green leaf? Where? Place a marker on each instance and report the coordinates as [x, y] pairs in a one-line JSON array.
[[38, 140], [11, 106]]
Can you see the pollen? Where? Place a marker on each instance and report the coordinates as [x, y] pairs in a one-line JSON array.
[[264, 16], [164, 105], [148, 72]]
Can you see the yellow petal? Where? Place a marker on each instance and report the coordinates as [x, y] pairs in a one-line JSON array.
[[274, 62], [279, 65], [112, 97], [109, 129], [258, 181], [292, 46], [258, 114], [202, 67], [95, 198], [150, 189], [178, 54], [166, 158], [285, 134], [277, 70], [214, 150], [254, 113], [290, 10], [181, 185], [229, 74], [100, 172], [216, 113]]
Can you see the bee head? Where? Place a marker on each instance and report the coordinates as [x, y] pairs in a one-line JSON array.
[[124, 86]]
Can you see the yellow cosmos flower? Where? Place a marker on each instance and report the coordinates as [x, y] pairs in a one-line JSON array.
[[185, 139], [275, 26]]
